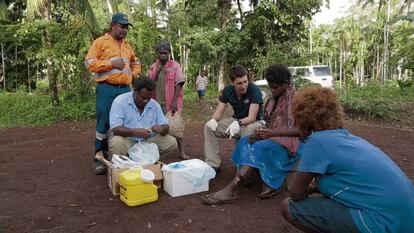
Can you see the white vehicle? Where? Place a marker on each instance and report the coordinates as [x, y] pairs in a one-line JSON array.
[[320, 74], [311, 74], [262, 83]]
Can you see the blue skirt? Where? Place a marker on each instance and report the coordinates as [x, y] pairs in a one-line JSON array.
[[268, 156]]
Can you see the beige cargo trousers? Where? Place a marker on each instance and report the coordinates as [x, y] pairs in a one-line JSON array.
[[211, 138]]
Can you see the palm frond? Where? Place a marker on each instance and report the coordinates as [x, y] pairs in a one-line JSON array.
[[85, 11]]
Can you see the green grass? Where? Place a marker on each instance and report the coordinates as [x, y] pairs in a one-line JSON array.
[[200, 111], [389, 103], [22, 109]]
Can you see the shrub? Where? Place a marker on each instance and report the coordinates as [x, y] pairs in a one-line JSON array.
[[375, 101]]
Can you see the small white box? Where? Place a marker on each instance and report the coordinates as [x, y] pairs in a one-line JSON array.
[[177, 185]]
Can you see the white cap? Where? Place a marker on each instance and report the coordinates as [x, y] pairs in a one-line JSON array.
[[147, 176]]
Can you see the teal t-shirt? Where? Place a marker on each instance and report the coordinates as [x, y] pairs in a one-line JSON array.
[[362, 177], [241, 106]]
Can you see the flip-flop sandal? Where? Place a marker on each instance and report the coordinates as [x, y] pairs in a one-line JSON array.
[[268, 193], [209, 199]]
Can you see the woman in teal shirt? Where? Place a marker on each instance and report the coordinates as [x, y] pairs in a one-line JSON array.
[[362, 189]]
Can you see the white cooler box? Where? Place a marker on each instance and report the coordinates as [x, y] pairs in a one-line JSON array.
[[177, 184]]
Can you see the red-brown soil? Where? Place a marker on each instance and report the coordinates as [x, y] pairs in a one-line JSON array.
[[47, 184]]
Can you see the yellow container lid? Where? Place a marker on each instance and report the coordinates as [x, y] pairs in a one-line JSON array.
[[130, 177]]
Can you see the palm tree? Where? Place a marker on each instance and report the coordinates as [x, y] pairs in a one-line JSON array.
[[225, 7], [385, 57]]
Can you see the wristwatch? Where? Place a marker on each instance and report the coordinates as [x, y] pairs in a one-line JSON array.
[[239, 121]]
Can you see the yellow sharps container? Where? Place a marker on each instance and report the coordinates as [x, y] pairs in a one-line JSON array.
[[134, 191]]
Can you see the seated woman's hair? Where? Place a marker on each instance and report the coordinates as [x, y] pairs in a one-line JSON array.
[[317, 108], [277, 74], [238, 71], [144, 81]]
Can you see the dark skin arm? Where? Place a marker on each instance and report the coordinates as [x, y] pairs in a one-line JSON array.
[[264, 133], [303, 185], [118, 64], [177, 90], [269, 133], [161, 129], [140, 132]]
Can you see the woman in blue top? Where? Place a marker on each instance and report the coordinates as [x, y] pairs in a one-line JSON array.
[[362, 189]]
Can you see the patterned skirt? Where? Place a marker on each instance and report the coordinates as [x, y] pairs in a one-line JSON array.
[[269, 157]]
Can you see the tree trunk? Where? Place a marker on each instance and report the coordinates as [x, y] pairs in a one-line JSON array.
[[37, 71], [167, 8], [50, 71], [108, 3], [340, 65], [3, 75], [362, 66], [222, 70], [16, 78], [374, 65], [224, 6], [187, 54], [378, 68], [28, 76], [310, 44], [386, 52], [344, 67]]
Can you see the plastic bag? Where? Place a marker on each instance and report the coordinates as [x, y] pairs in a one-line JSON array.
[[176, 124], [144, 153]]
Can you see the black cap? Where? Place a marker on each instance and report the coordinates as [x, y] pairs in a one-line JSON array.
[[120, 18]]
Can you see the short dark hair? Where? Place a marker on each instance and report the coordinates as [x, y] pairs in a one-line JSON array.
[[164, 46], [278, 74], [238, 71], [142, 82]]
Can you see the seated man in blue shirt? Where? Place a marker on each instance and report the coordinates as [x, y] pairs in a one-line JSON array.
[[135, 117], [246, 100]]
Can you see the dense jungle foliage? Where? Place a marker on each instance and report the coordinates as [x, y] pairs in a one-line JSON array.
[[44, 42]]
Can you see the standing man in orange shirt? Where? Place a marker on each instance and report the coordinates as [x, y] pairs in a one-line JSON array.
[[114, 63]]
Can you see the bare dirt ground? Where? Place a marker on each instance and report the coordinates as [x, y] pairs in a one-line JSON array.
[[47, 184]]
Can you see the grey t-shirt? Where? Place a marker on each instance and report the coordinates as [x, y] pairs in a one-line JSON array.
[[160, 86]]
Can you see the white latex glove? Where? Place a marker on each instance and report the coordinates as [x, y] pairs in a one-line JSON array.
[[212, 124], [233, 129]]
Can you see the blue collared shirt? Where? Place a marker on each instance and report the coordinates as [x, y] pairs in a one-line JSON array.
[[125, 113]]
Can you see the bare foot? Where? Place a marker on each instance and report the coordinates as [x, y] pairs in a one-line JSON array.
[[223, 195], [220, 197]]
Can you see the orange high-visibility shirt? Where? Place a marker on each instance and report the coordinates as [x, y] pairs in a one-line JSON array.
[[106, 49]]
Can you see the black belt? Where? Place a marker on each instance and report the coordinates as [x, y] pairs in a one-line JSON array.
[[116, 85]]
